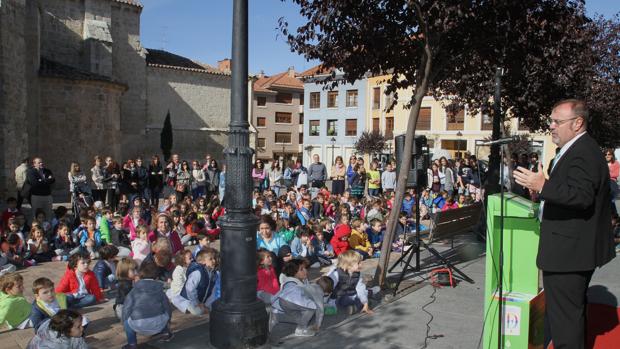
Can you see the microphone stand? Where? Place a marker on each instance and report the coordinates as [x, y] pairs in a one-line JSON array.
[[500, 276]]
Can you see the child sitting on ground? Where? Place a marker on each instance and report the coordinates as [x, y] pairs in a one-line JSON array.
[[90, 238], [79, 283], [299, 302], [182, 261], [126, 274], [14, 308], [203, 243], [146, 309], [63, 330], [141, 247], [340, 240], [105, 268], [46, 302], [38, 246], [375, 235], [302, 246], [16, 252], [62, 243], [358, 241], [324, 251], [350, 292], [267, 280], [200, 283], [119, 237]]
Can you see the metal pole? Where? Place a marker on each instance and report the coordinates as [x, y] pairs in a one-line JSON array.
[[238, 319], [495, 152]]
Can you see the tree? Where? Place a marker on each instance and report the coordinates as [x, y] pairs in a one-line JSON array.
[[165, 138], [449, 48], [370, 143]]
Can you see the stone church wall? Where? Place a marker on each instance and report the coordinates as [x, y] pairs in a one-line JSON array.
[[13, 93], [62, 23], [196, 101], [129, 67], [80, 119]]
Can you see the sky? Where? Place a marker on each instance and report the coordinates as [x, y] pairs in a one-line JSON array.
[[202, 30]]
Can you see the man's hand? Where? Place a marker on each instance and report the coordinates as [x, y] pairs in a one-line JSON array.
[[366, 309], [531, 180]]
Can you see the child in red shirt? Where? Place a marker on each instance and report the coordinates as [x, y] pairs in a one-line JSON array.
[[268, 284]]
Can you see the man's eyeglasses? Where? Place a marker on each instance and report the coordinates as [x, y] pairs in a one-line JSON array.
[[559, 122]]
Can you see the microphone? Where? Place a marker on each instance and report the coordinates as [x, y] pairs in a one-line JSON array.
[[505, 140]]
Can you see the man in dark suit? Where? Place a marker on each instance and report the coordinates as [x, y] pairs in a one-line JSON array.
[[575, 231], [41, 180]]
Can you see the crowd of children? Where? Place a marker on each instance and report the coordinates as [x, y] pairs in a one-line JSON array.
[[156, 255]]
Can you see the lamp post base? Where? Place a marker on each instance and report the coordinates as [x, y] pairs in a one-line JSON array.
[[238, 326]]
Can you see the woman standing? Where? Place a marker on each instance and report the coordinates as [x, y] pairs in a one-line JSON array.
[[97, 177], [156, 180], [338, 174], [258, 175], [435, 178], [358, 181], [130, 180], [275, 177], [198, 180], [446, 169], [351, 169], [111, 176], [184, 178], [212, 179]]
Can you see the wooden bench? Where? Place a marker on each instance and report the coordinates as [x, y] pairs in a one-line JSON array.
[[446, 225]]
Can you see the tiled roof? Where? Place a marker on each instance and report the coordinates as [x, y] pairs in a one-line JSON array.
[[278, 81], [318, 70], [130, 2], [165, 59], [54, 69]]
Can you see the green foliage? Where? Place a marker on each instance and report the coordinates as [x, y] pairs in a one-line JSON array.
[[370, 143]]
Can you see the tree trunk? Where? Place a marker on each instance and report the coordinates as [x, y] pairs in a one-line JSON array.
[[492, 183], [421, 88]]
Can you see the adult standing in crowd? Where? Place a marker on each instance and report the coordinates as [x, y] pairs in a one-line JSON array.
[[275, 177], [212, 177], [575, 231], [97, 176], [446, 169], [21, 175], [317, 174], [614, 173], [156, 180], [351, 169], [339, 172], [258, 175], [40, 180], [184, 181], [78, 183], [198, 180], [111, 177], [143, 178]]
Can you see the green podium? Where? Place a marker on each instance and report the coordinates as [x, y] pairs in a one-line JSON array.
[[523, 304]]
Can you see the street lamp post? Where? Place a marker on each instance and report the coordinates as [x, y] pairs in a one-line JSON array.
[[238, 319], [459, 134], [333, 140]]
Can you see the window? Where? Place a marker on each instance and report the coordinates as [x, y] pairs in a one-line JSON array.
[[285, 98], [332, 99], [487, 121], [283, 137], [389, 99], [315, 100], [351, 127], [301, 138], [301, 99], [455, 119], [314, 127], [301, 118], [261, 121], [260, 142], [261, 101], [332, 129], [375, 124], [424, 119], [376, 97], [351, 98], [284, 118], [389, 127]]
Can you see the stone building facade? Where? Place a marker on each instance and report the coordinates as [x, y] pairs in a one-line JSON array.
[[75, 82], [277, 115]]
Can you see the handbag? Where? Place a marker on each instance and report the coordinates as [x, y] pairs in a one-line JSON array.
[[180, 187]]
